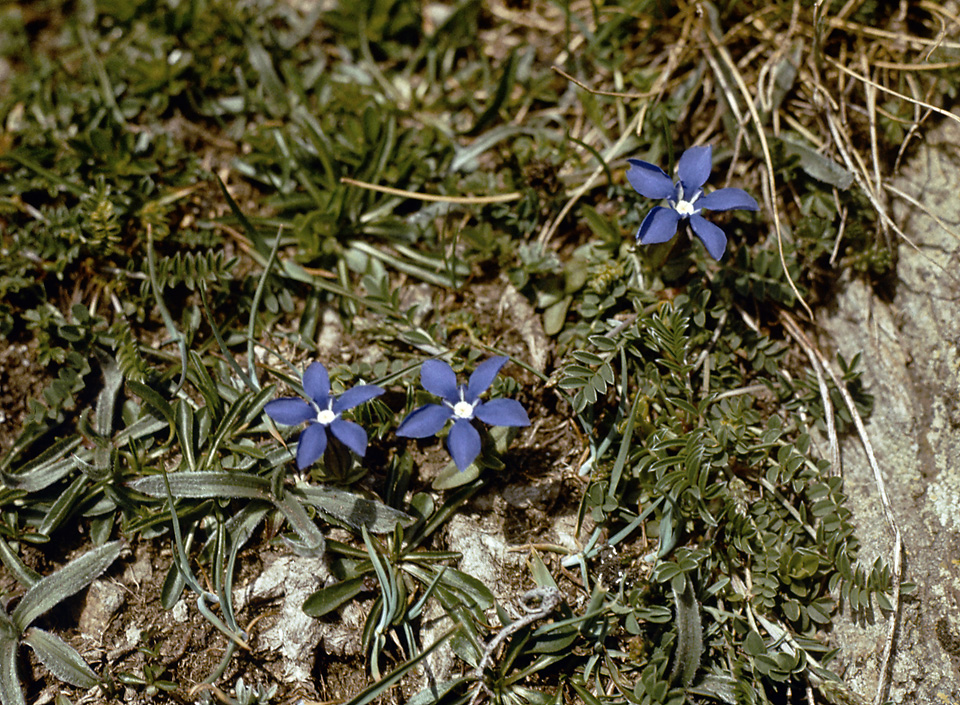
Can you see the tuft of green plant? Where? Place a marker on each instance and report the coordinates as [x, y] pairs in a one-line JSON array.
[[42, 595]]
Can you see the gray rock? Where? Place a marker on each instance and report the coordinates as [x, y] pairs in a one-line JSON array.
[[911, 366]]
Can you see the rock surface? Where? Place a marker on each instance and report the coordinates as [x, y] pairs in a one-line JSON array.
[[912, 367]]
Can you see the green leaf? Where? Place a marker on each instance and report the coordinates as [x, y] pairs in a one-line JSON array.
[[205, 485], [25, 575], [107, 399], [10, 692], [73, 577], [434, 693], [61, 659], [47, 468], [385, 684], [330, 598], [816, 165], [689, 634], [353, 510], [754, 645]]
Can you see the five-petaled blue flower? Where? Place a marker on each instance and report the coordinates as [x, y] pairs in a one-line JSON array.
[[462, 404], [322, 411], [686, 199]]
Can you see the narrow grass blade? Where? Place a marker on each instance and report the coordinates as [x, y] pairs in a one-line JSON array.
[[385, 684], [254, 306], [61, 659], [73, 577]]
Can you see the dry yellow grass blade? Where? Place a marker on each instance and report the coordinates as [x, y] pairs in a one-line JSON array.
[[462, 200]]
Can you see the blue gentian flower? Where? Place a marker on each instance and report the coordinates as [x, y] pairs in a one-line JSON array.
[[685, 200], [322, 411], [462, 404]]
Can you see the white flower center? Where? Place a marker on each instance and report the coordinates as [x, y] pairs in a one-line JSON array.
[[463, 409], [684, 208], [326, 417]]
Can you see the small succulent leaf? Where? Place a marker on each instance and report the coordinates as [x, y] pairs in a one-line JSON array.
[[425, 421], [357, 395], [173, 586], [438, 378], [659, 225], [451, 477], [351, 435], [328, 599], [463, 442], [726, 199], [694, 168], [10, 691], [649, 180], [483, 377], [61, 659], [710, 235], [311, 445], [502, 412], [55, 588]]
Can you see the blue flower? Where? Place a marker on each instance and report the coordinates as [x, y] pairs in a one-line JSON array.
[[686, 199], [461, 403], [322, 411]]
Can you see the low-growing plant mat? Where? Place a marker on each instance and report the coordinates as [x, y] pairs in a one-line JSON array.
[[554, 452]]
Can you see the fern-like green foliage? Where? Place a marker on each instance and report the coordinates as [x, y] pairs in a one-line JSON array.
[[192, 268]]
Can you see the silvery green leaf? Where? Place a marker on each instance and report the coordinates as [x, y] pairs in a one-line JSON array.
[[73, 577], [10, 692], [48, 467], [107, 399], [203, 485], [353, 510], [816, 165], [689, 634], [61, 659]]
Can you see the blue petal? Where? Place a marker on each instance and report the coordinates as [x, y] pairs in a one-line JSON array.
[[483, 376], [502, 412], [316, 383], [710, 235], [726, 199], [289, 410], [437, 377], [312, 443], [650, 180], [351, 435], [463, 444], [659, 226], [694, 168], [355, 396], [425, 421]]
